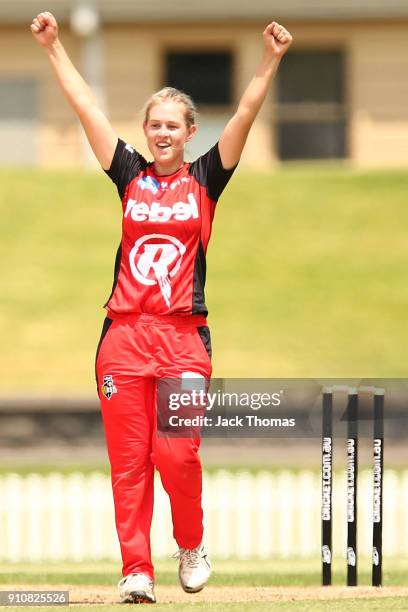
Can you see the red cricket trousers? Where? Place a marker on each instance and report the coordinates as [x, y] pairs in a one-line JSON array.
[[134, 352]]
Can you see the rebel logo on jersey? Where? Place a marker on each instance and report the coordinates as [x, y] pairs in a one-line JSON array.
[[155, 259], [179, 211]]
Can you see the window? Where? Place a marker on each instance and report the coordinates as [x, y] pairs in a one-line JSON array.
[[18, 99], [311, 106], [18, 121], [205, 76]]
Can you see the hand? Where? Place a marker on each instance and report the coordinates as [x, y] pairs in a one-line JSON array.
[[277, 40], [44, 28]]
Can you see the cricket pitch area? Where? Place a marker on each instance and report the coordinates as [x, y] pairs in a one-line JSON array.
[[171, 594], [238, 598]]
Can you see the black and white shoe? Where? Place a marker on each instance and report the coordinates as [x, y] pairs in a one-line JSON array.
[[136, 588], [194, 568]]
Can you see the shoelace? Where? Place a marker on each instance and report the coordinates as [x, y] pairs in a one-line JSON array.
[[190, 557]]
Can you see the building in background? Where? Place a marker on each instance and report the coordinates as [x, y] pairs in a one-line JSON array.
[[341, 92]]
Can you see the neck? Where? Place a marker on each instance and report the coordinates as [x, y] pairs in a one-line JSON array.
[[160, 168]]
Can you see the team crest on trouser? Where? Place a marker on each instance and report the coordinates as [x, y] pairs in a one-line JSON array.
[[108, 388]]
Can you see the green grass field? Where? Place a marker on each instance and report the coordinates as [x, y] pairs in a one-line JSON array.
[[245, 577], [307, 275], [256, 573]]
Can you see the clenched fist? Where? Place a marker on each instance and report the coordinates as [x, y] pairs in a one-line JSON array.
[[277, 40], [45, 29]]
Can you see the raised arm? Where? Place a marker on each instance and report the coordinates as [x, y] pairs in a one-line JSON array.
[[277, 41], [99, 131]]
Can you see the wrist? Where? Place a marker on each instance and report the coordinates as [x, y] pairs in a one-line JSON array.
[[53, 47], [270, 59]]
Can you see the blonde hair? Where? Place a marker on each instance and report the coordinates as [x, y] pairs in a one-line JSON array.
[[171, 93]]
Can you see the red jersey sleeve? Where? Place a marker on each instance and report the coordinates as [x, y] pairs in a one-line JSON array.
[[126, 164], [210, 173]]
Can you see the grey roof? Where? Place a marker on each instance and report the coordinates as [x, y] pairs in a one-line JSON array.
[[19, 11]]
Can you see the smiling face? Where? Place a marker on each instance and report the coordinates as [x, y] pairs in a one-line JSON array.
[[167, 132]]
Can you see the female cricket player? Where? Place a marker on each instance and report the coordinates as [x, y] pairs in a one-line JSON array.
[[156, 314]]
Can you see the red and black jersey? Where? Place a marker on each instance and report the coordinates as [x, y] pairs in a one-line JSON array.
[[160, 264]]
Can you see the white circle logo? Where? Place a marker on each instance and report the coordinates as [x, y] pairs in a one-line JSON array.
[[155, 259]]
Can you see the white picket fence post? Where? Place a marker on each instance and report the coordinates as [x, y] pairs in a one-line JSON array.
[[263, 514]]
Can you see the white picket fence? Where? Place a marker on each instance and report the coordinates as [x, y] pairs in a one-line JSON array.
[[246, 515]]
